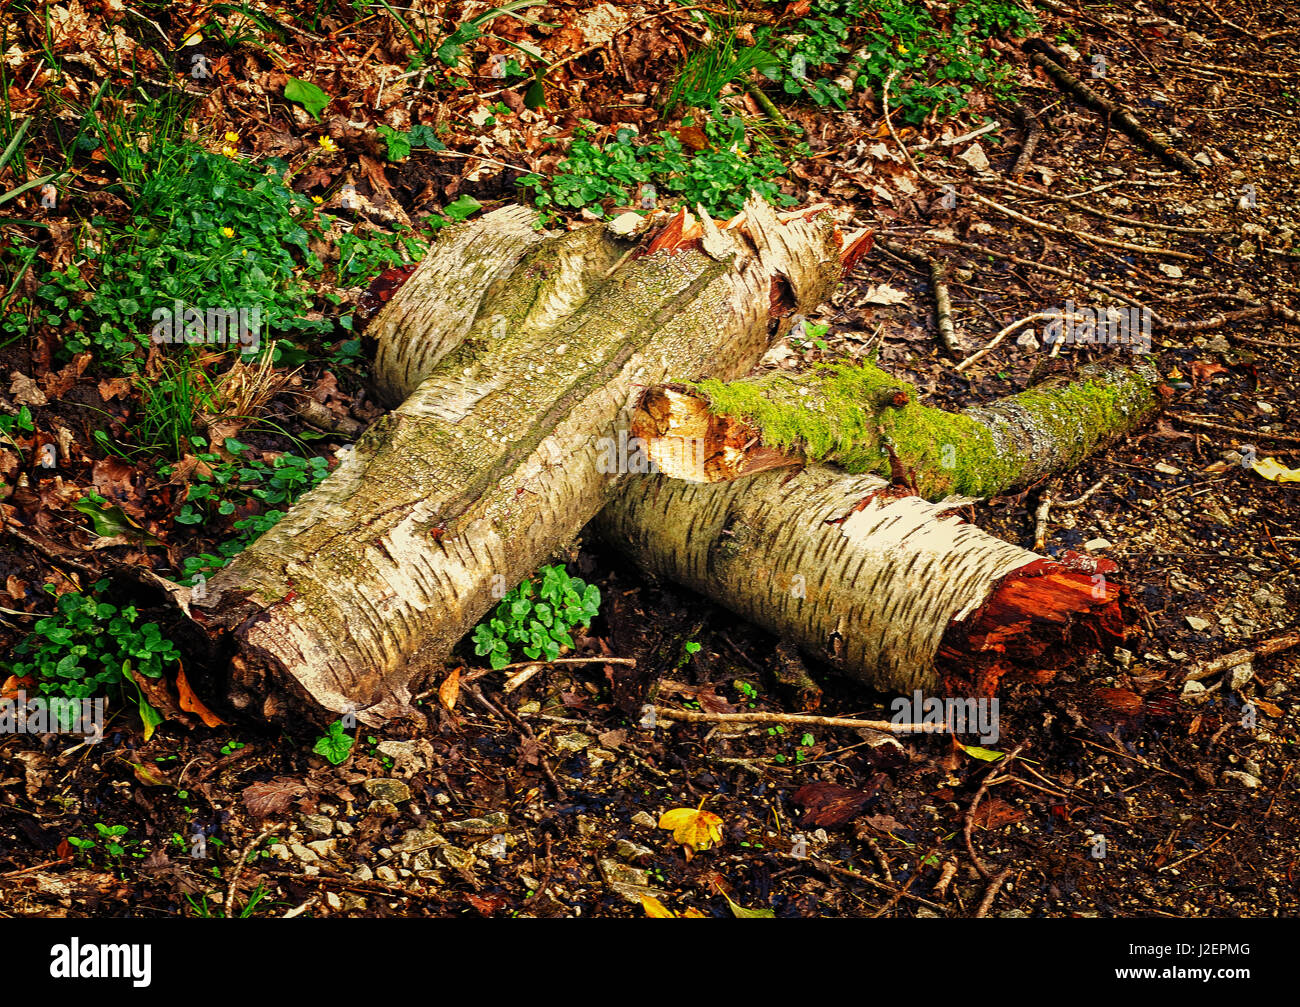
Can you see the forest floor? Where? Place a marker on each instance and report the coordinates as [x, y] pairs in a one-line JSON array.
[[1130, 792]]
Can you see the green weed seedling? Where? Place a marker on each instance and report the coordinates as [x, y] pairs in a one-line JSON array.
[[537, 620]]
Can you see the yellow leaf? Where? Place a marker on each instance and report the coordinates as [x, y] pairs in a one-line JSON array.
[[741, 913], [655, 909], [1275, 471], [987, 754], [694, 828]]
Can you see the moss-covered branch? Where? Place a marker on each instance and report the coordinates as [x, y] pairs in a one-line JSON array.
[[865, 420]]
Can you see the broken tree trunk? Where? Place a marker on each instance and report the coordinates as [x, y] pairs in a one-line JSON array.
[[495, 459], [865, 420], [883, 586], [893, 591]]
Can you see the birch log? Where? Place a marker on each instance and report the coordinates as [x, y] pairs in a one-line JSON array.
[[493, 461]]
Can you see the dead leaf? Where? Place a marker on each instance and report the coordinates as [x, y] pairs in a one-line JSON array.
[[827, 805], [1274, 471], [656, 910], [449, 691], [694, 828], [273, 796], [884, 294], [191, 703], [25, 391]]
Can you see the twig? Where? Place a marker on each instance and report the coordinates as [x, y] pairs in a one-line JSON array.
[[698, 717], [239, 867], [939, 288], [473, 675], [505, 713], [1094, 239], [1041, 267], [1265, 649], [1000, 765], [1034, 134], [991, 893], [821, 865], [996, 340], [1104, 215], [1122, 116], [1047, 502], [1193, 421]]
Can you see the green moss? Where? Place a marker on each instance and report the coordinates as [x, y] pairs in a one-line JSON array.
[[847, 414]]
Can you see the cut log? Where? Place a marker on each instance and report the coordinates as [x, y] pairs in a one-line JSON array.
[[495, 459], [895, 592], [890, 589], [865, 420]]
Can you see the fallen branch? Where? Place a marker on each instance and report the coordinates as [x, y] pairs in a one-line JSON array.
[[939, 288], [864, 420], [1238, 657], [1122, 117], [805, 719]]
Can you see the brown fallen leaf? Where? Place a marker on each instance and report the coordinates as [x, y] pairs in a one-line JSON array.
[[272, 796], [449, 691], [191, 703], [827, 805]]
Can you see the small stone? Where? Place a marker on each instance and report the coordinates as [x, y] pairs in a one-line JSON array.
[[333, 901], [441, 799], [345, 828], [645, 820], [1173, 272], [354, 903], [394, 791], [975, 157], [1197, 623], [494, 822], [454, 856], [1124, 658], [1028, 341], [420, 839], [1096, 544], [317, 825], [1014, 914], [324, 847], [625, 849], [385, 808], [363, 873], [1245, 779], [925, 913], [408, 756], [1242, 674], [281, 852], [1193, 692], [572, 743], [302, 853], [386, 873]]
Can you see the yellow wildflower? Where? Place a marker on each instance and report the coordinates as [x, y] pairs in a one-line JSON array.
[[327, 144], [229, 232]]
